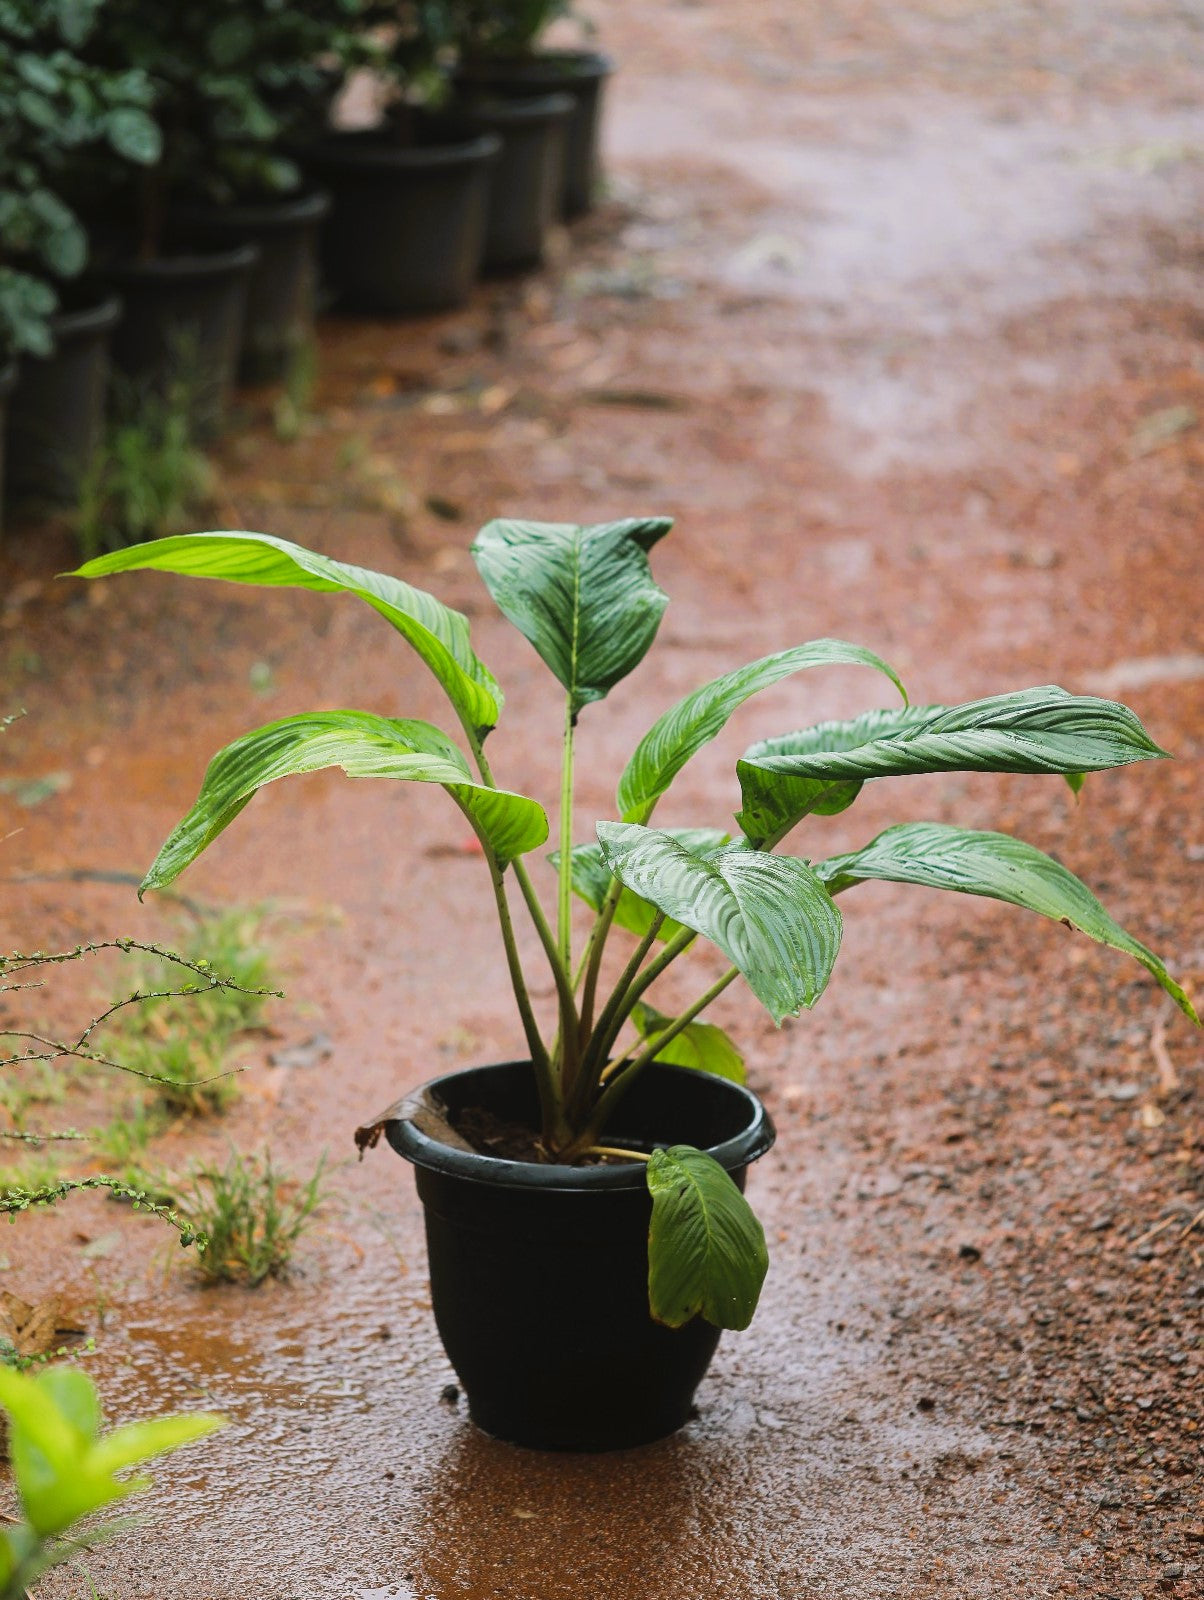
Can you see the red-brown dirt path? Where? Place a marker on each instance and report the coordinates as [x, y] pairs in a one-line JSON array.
[[899, 309]]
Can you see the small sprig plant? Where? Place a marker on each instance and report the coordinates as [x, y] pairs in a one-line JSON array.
[[65, 1469], [585, 598], [54, 107]]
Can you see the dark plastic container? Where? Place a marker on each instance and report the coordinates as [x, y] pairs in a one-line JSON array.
[[8, 382], [539, 1274], [525, 181], [57, 416], [581, 74], [183, 326], [282, 289], [406, 230]]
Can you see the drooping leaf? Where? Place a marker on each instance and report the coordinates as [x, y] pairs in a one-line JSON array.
[[938, 856], [1043, 730], [364, 746], [706, 1249], [701, 1045], [770, 915], [583, 596], [592, 879], [437, 633], [698, 718]]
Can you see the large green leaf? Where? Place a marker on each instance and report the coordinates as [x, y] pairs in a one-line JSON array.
[[770, 915], [1041, 730], [438, 634], [706, 1249], [701, 1045], [364, 746], [592, 879], [583, 596], [697, 719], [937, 856]]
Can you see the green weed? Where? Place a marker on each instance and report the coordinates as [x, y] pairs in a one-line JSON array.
[[293, 404], [147, 479], [251, 1215]]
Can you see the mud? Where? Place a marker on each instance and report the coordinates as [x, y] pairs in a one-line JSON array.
[[899, 311]]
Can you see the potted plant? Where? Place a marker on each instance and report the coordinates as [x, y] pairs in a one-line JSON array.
[[410, 197], [588, 1236], [499, 54], [54, 106], [185, 298]]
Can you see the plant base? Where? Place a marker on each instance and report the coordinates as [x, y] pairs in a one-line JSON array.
[[539, 1274]]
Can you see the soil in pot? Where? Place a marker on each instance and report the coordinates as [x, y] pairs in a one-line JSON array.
[[539, 1273], [406, 230], [183, 326], [525, 181], [282, 288], [57, 415], [582, 75]]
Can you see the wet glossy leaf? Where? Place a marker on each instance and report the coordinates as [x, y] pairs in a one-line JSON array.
[[770, 915], [438, 634], [592, 879], [999, 867], [698, 718], [1042, 730], [706, 1249], [583, 596], [364, 746]]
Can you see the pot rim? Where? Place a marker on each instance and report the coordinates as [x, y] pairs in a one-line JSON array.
[[555, 106], [282, 212], [370, 148], [422, 1150], [180, 267], [77, 322], [535, 65]]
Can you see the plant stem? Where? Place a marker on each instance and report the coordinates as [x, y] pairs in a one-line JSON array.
[[551, 1102], [620, 1085], [621, 1005], [615, 1150], [595, 1044], [565, 909], [592, 959]]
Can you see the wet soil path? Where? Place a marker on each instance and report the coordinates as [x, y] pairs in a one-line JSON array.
[[900, 311]]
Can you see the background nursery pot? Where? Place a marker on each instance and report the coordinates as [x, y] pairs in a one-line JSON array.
[[8, 382], [406, 230], [582, 75], [282, 289], [525, 183], [539, 1273], [57, 419], [183, 325]]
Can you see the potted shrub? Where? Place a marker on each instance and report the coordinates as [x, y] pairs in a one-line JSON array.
[[410, 197], [185, 298], [499, 54], [54, 106], [588, 1235]]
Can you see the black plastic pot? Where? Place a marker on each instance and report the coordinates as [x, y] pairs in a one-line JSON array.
[[8, 382], [406, 229], [539, 1274], [57, 417], [183, 326], [525, 181], [282, 288], [582, 74]]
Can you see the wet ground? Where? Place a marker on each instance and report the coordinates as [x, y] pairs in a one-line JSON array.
[[900, 311]]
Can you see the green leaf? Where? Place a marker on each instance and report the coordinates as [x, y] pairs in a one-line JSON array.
[[364, 746], [592, 879], [770, 915], [583, 596], [1042, 730], [706, 1249], [937, 856], [438, 634], [701, 1045], [697, 719], [134, 135]]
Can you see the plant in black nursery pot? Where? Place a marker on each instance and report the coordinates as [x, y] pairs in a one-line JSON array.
[[56, 108], [587, 1230]]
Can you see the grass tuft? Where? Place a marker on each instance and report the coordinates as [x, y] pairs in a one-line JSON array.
[[252, 1216]]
